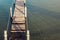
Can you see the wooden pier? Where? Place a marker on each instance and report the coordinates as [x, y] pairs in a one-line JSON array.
[[18, 22]]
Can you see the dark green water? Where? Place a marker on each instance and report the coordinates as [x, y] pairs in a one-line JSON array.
[[4, 14], [44, 19]]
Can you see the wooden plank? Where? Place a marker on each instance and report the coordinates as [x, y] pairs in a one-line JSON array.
[[19, 20], [19, 16], [18, 27], [17, 31], [19, 7]]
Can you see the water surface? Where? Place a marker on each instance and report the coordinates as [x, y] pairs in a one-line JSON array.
[[44, 19], [4, 15]]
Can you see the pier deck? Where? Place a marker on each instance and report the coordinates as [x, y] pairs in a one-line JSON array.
[[18, 23]]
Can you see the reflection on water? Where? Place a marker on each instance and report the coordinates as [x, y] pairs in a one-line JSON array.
[[44, 23]]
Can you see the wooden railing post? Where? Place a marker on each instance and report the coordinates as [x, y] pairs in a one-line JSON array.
[[5, 34], [28, 35], [25, 12], [24, 1], [11, 11]]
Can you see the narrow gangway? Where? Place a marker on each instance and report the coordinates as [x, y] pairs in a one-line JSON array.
[[18, 23], [18, 29]]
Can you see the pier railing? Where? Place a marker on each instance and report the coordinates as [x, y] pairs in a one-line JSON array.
[[7, 32], [27, 30], [9, 23]]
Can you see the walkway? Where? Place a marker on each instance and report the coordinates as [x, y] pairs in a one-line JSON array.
[[18, 23]]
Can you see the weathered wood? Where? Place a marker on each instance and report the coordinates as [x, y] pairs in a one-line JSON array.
[[18, 27], [18, 17], [18, 23], [18, 31], [19, 20]]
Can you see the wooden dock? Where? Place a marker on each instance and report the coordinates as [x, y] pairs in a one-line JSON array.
[[18, 21]]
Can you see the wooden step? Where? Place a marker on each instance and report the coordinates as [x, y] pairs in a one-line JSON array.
[[18, 20], [19, 15], [18, 12], [19, 9], [18, 31], [18, 27]]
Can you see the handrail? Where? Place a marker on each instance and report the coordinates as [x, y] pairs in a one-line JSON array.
[[9, 26], [10, 15], [7, 31], [27, 31], [8, 21], [26, 17]]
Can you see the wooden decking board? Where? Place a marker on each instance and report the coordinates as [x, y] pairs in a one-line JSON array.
[[19, 20], [18, 27], [17, 31]]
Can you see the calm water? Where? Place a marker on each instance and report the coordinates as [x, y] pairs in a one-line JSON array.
[[4, 14], [44, 19]]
